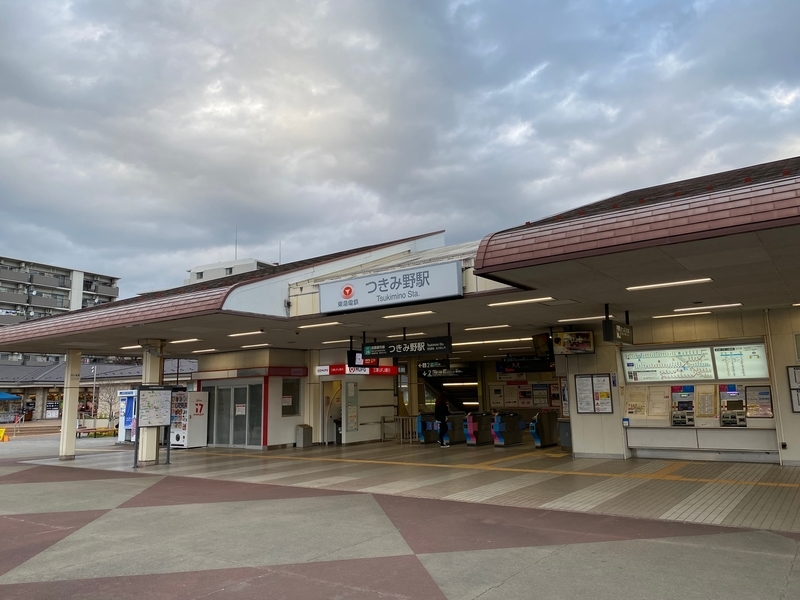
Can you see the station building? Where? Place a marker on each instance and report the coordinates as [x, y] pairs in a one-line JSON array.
[[660, 322]]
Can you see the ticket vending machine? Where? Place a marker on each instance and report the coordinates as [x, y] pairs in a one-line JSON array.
[[732, 405], [682, 406]]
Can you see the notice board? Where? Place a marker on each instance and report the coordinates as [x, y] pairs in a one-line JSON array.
[[593, 394]]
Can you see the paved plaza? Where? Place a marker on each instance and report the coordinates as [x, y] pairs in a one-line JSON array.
[[391, 521]]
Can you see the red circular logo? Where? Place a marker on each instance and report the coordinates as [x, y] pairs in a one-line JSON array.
[[348, 292]]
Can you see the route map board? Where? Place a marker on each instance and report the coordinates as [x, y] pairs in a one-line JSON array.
[[155, 406], [741, 362], [675, 364]]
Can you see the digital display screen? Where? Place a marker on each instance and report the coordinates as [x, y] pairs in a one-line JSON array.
[[689, 405], [735, 405]]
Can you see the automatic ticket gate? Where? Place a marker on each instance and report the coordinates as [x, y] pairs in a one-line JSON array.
[[427, 429], [478, 429], [507, 429], [455, 429], [544, 429]]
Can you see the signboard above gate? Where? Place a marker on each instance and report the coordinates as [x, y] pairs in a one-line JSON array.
[[438, 345], [428, 282]]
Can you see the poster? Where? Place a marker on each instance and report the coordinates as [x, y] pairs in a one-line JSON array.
[[564, 384], [636, 401], [707, 405], [287, 400], [241, 410], [555, 395], [584, 393], [496, 396], [155, 406], [525, 396], [759, 401], [658, 401], [511, 396], [351, 406], [540, 395], [602, 393]]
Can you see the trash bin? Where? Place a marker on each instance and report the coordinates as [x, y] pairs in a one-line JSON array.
[[427, 429], [506, 429], [478, 429], [303, 436], [338, 423]]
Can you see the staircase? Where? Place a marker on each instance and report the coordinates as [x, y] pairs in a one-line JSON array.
[[31, 428]]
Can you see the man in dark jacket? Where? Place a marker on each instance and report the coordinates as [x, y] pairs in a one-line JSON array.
[[440, 413]]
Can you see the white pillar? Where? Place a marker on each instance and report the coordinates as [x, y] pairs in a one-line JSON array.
[[416, 388], [152, 374], [69, 412]]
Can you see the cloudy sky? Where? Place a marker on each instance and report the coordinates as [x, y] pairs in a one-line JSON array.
[[136, 136]]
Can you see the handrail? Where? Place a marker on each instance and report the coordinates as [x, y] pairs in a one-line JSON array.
[[406, 429]]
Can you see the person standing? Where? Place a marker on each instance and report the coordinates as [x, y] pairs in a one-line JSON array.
[[440, 413]]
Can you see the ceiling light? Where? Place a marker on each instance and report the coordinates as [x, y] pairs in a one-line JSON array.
[[470, 403], [462, 352], [246, 333], [512, 340], [654, 286], [414, 314], [528, 301], [585, 319], [184, 341], [705, 312], [707, 307], [486, 327], [255, 345], [130, 347], [494, 356], [461, 384], [516, 348], [399, 335], [795, 304], [202, 351], [319, 325], [337, 342]]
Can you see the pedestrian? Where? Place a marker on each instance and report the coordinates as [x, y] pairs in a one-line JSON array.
[[440, 412]]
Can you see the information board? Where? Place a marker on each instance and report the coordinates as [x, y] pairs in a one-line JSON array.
[[593, 394], [673, 364], [759, 401], [155, 406], [741, 362]]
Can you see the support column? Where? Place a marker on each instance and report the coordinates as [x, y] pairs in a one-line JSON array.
[[416, 388], [69, 411], [152, 374]]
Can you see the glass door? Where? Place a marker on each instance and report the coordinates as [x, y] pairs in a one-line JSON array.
[[223, 417], [235, 415], [239, 416]]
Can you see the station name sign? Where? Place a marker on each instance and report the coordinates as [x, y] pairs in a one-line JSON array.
[[345, 370], [428, 282], [438, 345]]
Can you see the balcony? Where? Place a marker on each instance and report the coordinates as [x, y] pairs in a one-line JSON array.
[[14, 298], [107, 290], [11, 319], [50, 280], [44, 301], [17, 276]]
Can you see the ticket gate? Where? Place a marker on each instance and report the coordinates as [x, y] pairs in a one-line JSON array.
[[544, 429], [455, 429], [507, 429], [478, 429], [427, 429]]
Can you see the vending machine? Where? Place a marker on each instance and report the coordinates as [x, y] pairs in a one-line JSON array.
[[732, 405], [682, 406], [189, 421]]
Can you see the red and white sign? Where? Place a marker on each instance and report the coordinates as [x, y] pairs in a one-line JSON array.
[[348, 291], [345, 370], [199, 408]]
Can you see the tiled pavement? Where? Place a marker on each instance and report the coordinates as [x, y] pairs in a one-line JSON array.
[[381, 521]]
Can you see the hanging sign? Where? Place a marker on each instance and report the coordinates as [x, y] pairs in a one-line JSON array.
[[525, 364], [438, 345]]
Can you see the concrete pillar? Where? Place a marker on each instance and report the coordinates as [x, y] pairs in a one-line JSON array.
[[416, 388], [41, 402], [152, 374], [69, 412]]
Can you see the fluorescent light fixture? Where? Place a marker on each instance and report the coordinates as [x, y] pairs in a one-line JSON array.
[[585, 319], [203, 351], [319, 325], [486, 327], [705, 312], [654, 286], [414, 314], [184, 341], [255, 345], [399, 335], [130, 347], [494, 356], [462, 352], [337, 342], [470, 403], [696, 308], [516, 348], [528, 301], [509, 341], [246, 333], [795, 304], [461, 384]]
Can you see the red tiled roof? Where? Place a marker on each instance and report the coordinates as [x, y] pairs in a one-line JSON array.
[[666, 217], [193, 300]]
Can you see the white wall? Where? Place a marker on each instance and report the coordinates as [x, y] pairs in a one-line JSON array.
[[281, 430], [375, 400], [76, 293]]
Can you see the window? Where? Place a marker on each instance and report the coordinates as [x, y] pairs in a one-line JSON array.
[[199, 275], [290, 397], [228, 270]]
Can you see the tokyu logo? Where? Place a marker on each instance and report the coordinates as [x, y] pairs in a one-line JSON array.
[[348, 292]]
